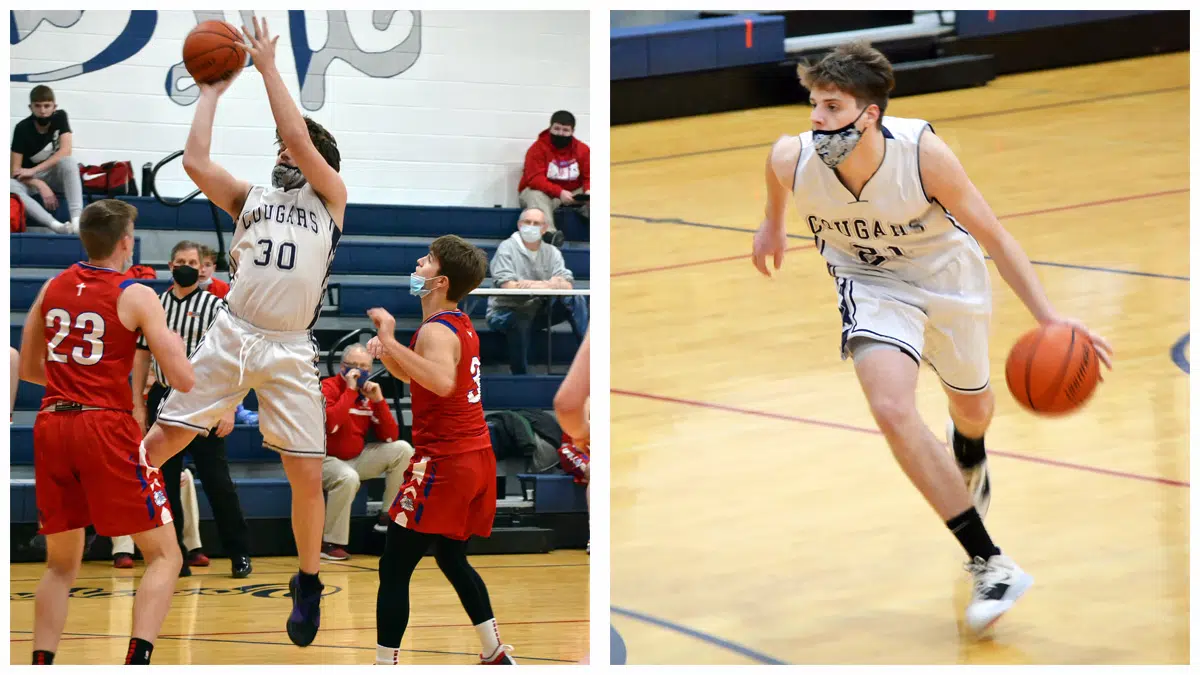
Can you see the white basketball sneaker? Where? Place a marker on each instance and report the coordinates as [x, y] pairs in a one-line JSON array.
[[978, 478], [998, 584]]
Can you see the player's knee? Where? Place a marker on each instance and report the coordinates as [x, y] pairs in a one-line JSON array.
[[892, 413], [974, 408], [450, 562]]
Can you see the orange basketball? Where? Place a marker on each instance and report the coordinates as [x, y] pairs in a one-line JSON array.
[[213, 51], [1053, 370]]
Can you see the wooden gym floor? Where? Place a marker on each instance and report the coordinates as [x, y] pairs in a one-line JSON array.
[[541, 604], [757, 515]]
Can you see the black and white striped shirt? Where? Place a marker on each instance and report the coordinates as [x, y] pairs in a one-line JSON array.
[[190, 317]]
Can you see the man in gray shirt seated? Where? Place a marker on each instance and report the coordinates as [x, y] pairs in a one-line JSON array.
[[525, 261]]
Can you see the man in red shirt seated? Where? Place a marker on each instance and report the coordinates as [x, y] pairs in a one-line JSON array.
[[353, 407], [208, 267]]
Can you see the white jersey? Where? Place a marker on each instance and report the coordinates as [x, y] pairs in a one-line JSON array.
[[281, 256], [893, 230]]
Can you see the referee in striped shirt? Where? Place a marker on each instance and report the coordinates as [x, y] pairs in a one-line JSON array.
[[190, 311]]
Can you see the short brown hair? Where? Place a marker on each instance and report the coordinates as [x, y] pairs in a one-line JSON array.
[[463, 263], [207, 253], [855, 68], [102, 224], [187, 245], [41, 94], [322, 140]]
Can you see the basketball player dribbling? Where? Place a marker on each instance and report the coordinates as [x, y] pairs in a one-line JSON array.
[[79, 340], [901, 226], [449, 490], [281, 254]]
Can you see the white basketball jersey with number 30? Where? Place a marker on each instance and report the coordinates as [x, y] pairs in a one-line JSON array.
[[281, 256], [892, 229]]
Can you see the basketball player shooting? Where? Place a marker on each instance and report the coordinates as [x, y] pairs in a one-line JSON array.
[[79, 341], [282, 249], [900, 227], [449, 490]]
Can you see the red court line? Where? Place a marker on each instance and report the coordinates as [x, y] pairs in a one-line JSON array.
[[1052, 209], [744, 256], [184, 636], [1102, 202], [875, 432]]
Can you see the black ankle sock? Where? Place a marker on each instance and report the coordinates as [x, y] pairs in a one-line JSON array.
[[139, 652], [968, 451], [969, 529], [309, 583], [41, 657]]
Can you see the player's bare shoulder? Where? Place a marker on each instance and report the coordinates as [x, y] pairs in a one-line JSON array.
[[784, 156], [939, 166]]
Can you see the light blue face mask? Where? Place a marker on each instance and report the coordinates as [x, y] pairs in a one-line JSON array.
[[416, 285]]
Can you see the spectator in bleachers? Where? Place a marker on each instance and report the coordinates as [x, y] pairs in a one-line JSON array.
[[41, 162], [190, 311], [525, 261], [558, 167], [208, 268], [353, 407], [14, 376]]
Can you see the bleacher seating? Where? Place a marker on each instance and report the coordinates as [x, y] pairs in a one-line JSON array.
[[364, 252]]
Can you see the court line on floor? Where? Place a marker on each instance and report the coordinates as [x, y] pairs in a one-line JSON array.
[[183, 636], [944, 120], [700, 635], [1045, 263], [67, 636], [1179, 353], [289, 572], [875, 432], [694, 263]]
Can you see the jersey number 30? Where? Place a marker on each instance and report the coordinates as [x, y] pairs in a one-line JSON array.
[[476, 394], [285, 260], [90, 322]]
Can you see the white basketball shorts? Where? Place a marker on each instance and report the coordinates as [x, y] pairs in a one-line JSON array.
[[942, 319], [280, 366]]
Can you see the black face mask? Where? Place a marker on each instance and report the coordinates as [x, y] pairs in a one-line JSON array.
[[185, 275], [560, 142]]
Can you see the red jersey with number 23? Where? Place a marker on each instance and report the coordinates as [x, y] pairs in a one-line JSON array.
[[454, 424], [89, 352]]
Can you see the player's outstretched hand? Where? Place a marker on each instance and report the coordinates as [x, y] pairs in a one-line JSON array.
[[261, 45], [375, 347], [1104, 350], [385, 323], [769, 241], [217, 88]]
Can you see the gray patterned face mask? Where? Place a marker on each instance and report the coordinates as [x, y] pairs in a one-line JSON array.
[[835, 146], [286, 177]]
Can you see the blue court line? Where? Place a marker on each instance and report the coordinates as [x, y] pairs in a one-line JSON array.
[[1178, 353], [703, 637], [287, 644], [944, 120], [616, 650], [1044, 263]]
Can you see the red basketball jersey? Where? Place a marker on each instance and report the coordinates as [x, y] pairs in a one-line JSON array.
[[452, 424], [89, 352]]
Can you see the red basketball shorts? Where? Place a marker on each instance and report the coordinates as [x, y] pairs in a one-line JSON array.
[[87, 470], [454, 496]]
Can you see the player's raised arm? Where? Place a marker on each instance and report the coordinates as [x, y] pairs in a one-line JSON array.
[[33, 343], [140, 309], [946, 181], [573, 394], [376, 350], [214, 181], [293, 132], [433, 364]]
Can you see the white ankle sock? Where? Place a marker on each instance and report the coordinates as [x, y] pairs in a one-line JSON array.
[[386, 656], [489, 637]]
